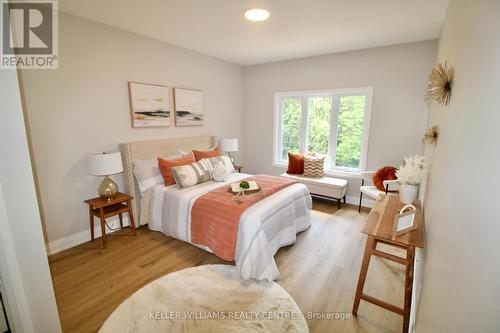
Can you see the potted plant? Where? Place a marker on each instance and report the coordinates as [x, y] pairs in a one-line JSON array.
[[410, 175]]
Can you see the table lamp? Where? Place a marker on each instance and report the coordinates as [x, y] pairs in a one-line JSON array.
[[228, 146], [105, 164]]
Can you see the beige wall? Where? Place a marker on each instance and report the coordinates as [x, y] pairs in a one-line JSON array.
[[83, 107], [461, 286], [397, 73]]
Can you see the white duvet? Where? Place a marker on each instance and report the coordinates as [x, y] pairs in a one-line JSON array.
[[264, 227]]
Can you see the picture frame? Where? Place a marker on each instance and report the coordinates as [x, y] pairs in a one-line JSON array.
[[404, 220], [149, 105], [188, 106]]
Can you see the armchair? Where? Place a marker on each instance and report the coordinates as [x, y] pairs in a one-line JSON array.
[[372, 191]]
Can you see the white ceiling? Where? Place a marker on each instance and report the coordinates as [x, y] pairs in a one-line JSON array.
[[295, 29]]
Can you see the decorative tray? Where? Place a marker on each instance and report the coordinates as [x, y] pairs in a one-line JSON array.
[[253, 188]]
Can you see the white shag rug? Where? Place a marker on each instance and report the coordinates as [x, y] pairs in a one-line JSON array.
[[210, 298]]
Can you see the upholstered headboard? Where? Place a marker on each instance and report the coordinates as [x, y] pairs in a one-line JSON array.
[[150, 149]]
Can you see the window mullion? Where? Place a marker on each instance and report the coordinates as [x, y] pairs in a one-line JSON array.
[[304, 123], [281, 105], [365, 134], [334, 124]]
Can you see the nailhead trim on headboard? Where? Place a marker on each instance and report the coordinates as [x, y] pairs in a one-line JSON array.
[[126, 150]]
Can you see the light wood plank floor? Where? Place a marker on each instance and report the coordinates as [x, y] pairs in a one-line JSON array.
[[320, 271]]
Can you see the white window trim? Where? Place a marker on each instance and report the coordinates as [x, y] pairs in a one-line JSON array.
[[329, 169]]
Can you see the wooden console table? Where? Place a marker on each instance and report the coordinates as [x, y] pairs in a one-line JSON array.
[[379, 228]]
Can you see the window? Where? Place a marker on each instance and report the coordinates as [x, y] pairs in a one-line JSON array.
[[333, 123]]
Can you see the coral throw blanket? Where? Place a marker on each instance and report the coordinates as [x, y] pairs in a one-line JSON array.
[[215, 216]]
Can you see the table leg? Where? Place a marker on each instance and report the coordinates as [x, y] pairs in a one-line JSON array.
[[410, 258], [370, 245], [103, 227], [91, 214], [338, 203], [131, 215], [121, 220]]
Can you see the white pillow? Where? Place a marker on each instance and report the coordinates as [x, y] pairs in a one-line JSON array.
[[226, 161], [180, 151], [220, 173], [147, 173]]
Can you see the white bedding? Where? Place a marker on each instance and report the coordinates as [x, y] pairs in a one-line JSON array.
[[264, 227]]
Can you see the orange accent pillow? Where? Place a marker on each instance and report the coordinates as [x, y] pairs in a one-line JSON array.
[[200, 154], [165, 167], [385, 173], [295, 164]]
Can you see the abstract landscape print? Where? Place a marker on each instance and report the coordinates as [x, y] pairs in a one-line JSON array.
[[188, 105], [149, 104]]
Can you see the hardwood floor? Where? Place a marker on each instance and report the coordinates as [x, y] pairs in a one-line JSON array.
[[319, 271]]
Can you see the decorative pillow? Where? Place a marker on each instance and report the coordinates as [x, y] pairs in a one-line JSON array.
[[385, 173], [192, 174], [220, 173], [147, 173], [166, 166], [200, 154], [226, 162], [295, 164], [313, 166]]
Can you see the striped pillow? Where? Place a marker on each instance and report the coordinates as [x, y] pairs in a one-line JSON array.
[[313, 166], [192, 174]]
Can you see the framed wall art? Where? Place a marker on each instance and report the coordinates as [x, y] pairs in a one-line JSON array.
[[149, 105], [188, 106]]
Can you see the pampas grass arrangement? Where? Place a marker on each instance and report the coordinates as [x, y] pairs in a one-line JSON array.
[[412, 171], [431, 135], [440, 82]]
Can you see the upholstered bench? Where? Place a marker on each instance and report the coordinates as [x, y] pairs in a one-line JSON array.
[[324, 187]]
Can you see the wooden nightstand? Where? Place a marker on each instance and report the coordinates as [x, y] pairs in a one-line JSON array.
[[238, 168], [103, 208]]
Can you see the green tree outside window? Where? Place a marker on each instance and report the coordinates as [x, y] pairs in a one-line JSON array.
[[351, 111]]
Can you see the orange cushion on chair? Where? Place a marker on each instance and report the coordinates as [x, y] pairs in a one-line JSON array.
[[200, 154], [295, 164], [385, 173], [165, 167]]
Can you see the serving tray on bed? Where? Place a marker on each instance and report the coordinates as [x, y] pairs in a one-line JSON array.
[[235, 188]]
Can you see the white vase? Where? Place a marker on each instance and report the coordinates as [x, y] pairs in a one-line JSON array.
[[408, 193]]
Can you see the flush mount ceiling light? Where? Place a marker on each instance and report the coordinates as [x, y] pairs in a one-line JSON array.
[[257, 14]]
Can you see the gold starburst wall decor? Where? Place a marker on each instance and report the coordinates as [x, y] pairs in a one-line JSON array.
[[440, 83], [431, 135]]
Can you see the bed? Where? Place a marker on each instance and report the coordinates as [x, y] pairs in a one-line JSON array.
[[263, 228]]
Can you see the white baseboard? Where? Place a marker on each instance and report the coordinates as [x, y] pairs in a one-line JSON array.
[[83, 236]]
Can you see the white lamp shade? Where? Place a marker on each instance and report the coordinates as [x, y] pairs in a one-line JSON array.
[[102, 164], [228, 145]]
